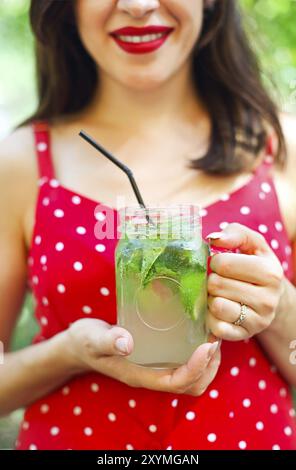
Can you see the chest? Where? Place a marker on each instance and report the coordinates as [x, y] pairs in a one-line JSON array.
[[71, 265], [163, 176]]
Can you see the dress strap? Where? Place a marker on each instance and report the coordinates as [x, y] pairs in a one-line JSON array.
[[267, 162], [42, 145], [269, 145]]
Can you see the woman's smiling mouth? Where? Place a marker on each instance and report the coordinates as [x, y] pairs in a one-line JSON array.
[[141, 40]]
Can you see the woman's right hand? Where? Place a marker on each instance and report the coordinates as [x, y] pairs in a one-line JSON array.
[[94, 345]]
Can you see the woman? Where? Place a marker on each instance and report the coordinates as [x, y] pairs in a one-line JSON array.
[[191, 90]]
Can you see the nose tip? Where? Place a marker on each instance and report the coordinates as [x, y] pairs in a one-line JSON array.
[[137, 8]]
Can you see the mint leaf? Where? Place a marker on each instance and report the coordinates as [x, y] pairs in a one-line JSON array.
[[192, 285], [149, 258]]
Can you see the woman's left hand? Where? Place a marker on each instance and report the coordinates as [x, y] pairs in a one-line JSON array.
[[253, 277]]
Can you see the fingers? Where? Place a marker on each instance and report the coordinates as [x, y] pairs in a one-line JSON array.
[[263, 300], [208, 376], [189, 373], [228, 311], [226, 330], [169, 380], [113, 340], [232, 289], [103, 339], [222, 313], [238, 236], [248, 268]]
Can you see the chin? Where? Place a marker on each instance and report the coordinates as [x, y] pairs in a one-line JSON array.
[[144, 82]]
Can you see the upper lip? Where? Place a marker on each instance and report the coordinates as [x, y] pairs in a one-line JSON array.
[[139, 31]]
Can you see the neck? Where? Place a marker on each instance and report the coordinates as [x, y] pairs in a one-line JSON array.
[[172, 102]]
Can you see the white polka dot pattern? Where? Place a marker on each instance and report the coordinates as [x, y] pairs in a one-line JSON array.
[[59, 246], [203, 212], [78, 266], [43, 259], [100, 247], [104, 291], [259, 426], [94, 387], [100, 216], [81, 230], [223, 225], [245, 397], [234, 371], [77, 410], [246, 402], [112, 417], [38, 239], [61, 288], [288, 431], [152, 428], [54, 431], [44, 408], [46, 201], [190, 415], [88, 431], [266, 187], [262, 384], [41, 146], [274, 408], [54, 183], [214, 394], [242, 445], [245, 210], [212, 437], [262, 228], [76, 200], [86, 309]]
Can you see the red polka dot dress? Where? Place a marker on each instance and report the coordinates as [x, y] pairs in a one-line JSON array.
[[72, 276]]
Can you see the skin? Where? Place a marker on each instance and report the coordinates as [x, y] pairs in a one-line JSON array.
[[165, 114]]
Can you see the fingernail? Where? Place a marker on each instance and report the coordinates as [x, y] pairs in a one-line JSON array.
[[121, 345], [213, 349], [215, 235]]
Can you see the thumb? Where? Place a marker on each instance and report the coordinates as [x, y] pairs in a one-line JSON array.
[[239, 237], [112, 340]]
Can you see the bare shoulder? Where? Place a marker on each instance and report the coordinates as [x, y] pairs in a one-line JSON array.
[[16, 150], [18, 171]]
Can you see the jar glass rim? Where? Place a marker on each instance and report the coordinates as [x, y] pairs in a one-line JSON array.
[[181, 218]]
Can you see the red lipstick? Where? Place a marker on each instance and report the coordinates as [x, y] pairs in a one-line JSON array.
[[142, 44]]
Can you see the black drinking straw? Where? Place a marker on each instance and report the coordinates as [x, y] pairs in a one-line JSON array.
[[121, 165]]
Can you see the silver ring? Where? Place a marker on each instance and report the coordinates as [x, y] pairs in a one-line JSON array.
[[242, 315]]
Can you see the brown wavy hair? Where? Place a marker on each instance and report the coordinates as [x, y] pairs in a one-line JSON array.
[[225, 72]]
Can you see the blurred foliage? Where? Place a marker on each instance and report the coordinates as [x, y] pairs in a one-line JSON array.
[[17, 81], [271, 28], [26, 327]]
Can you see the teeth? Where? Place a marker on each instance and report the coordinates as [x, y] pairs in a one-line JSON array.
[[139, 39]]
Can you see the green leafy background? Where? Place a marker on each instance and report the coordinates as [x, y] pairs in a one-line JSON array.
[[271, 28]]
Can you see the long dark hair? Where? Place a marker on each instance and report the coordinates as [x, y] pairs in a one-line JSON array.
[[224, 69]]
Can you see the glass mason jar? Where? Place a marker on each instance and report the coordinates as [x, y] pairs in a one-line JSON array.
[[161, 282]]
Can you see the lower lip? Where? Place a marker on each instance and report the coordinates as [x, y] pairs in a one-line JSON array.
[[141, 47]]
